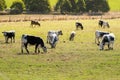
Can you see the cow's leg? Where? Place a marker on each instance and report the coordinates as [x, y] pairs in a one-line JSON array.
[[108, 45], [11, 39], [14, 39], [6, 39], [37, 47], [22, 45], [26, 48]]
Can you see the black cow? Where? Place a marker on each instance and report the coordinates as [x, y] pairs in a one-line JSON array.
[[9, 34], [79, 25], [32, 40], [103, 24], [34, 23]]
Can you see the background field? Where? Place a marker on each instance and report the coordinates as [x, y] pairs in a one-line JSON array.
[[77, 60], [114, 4]]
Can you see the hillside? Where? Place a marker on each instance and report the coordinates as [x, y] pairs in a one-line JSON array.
[[114, 4]]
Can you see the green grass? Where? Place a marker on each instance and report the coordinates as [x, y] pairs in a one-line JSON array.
[[80, 59], [114, 4]]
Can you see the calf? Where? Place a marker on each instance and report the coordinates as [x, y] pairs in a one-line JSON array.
[[32, 40], [103, 24], [107, 39], [79, 25], [9, 34], [72, 35], [35, 23], [98, 35]]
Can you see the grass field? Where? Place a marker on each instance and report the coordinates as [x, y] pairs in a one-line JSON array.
[[114, 4], [80, 59]]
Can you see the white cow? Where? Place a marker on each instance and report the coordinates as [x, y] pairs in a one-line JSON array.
[[53, 37]]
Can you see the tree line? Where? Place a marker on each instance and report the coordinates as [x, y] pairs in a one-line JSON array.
[[62, 6]]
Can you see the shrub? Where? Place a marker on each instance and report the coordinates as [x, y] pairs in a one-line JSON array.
[[17, 7]]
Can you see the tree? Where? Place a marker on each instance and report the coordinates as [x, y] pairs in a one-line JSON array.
[[73, 5], [2, 5], [63, 6], [17, 7], [97, 5], [81, 6], [41, 6]]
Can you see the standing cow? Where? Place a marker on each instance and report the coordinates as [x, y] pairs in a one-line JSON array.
[[35, 23], [53, 37], [103, 24], [9, 35], [99, 35]]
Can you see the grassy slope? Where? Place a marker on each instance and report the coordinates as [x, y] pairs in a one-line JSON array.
[[114, 4], [77, 60]]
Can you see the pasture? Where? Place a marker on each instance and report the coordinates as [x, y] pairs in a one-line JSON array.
[[80, 59]]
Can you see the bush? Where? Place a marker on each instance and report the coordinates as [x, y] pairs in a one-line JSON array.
[[2, 5], [39, 6], [17, 7]]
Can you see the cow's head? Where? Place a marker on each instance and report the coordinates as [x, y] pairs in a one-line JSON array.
[[44, 49]]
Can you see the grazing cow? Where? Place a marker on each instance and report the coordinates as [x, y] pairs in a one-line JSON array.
[[72, 35], [53, 37], [35, 23], [32, 40], [79, 25], [103, 24], [107, 39], [9, 34], [98, 35]]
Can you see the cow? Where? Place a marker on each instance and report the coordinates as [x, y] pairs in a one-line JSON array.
[[32, 40], [34, 23], [98, 35], [103, 24], [53, 37], [59, 32], [72, 35], [107, 39], [79, 25], [9, 35]]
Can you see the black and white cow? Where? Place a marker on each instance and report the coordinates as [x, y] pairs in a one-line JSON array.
[[107, 39], [59, 32], [34, 23], [9, 34], [32, 40], [103, 24], [53, 37], [72, 35], [79, 25], [99, 35]]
